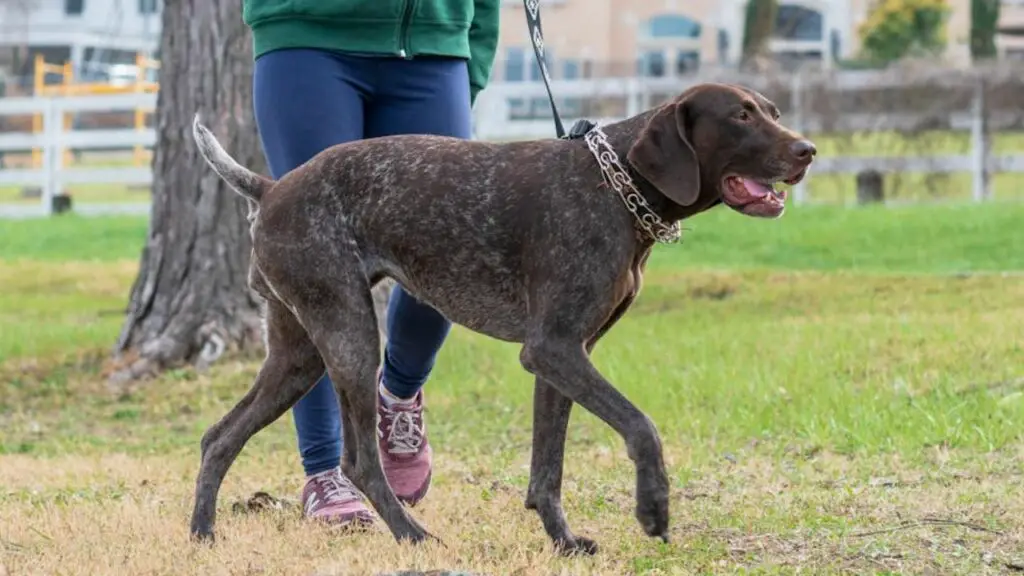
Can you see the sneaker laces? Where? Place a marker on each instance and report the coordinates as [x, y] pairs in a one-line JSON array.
[[337, 488], [404, 435]]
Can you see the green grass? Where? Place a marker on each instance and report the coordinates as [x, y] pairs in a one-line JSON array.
[[817, 381], [73, 238], [935, 238]]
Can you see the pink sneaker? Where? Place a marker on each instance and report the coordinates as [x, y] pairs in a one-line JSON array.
[[404, 450], [331, 497]]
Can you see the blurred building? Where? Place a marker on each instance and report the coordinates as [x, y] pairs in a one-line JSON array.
[[92, 34], [1011, 26], [665, 37], [585, 38]]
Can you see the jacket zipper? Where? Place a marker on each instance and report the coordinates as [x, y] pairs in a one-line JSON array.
[[404, 30]]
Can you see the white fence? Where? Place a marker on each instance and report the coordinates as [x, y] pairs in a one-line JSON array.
[[53, 176], [493, 121]]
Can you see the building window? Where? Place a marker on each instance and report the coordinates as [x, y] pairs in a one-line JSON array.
[[570, 69], [74, 7], [673, 26], [517, 61], [662, 63], [147, 7], [571, 107], [514, 69], [687, 62], [675, 52], [652, 63], [540, 107], [723, 47], [793, 22]]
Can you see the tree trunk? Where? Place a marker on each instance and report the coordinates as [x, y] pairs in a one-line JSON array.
[[758, 25], [190, 302], [984, 23]]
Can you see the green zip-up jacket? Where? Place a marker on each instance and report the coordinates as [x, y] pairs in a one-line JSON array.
[[406, 28]]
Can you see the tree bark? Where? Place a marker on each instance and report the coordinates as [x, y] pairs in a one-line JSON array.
[[190, 302], [758, 26]]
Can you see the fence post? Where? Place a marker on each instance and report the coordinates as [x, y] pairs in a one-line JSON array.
[[52, 124], [635, 89], [797, 124], [980, 190]]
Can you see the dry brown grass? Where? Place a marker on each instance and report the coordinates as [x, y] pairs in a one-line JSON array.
[[117, 514]]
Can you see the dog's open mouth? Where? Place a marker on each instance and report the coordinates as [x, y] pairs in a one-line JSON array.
[[756, 197]]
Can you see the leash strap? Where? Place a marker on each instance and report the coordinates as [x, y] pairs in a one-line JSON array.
[[581, 127]]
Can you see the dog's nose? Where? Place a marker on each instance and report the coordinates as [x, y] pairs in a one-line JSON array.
[[803, 149]]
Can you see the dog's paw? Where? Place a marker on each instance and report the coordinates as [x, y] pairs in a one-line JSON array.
[[202, 535], [414, 535], [575, 546], [652, 513]]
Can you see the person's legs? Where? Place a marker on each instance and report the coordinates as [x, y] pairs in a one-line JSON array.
[[306, 101], [422, 96]]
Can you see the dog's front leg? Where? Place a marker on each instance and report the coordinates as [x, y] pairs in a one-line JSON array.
[[551, 410], [565, 364]]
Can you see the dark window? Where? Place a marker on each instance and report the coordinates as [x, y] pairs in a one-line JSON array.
[[652, 63], [514, 71], [147, 6], [794, 22], [74, 7], [687, 63]]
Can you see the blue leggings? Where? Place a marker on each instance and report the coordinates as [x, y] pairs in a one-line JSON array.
[[308, 100]]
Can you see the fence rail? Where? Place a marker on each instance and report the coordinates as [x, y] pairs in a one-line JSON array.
[[53, 176], [496, 119]]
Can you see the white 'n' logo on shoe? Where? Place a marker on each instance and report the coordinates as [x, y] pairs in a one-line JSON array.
[[311, 503]]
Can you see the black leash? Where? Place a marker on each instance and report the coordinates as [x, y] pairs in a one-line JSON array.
[[582, 126]]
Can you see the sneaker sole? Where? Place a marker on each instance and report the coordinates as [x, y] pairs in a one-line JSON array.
[[416, 497]]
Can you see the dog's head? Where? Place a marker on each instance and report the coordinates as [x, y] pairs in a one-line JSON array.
[[723, 140]]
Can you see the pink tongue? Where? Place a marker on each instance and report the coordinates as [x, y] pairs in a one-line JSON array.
[[756, 189]]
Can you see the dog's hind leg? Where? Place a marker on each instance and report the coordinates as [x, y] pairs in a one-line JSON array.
[[337, 310], [292, 367]]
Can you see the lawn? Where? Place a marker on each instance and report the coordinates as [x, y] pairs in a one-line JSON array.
[[838, 391]]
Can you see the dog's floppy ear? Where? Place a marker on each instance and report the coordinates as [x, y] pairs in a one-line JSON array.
[[663, 155]]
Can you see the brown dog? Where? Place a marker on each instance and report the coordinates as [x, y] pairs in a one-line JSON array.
[[541, 242]]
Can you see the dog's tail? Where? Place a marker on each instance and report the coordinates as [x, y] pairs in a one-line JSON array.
[[244, 181]]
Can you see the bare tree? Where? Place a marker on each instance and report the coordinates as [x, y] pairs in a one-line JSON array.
[[190, 302], [758, 26], [14, 15]]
